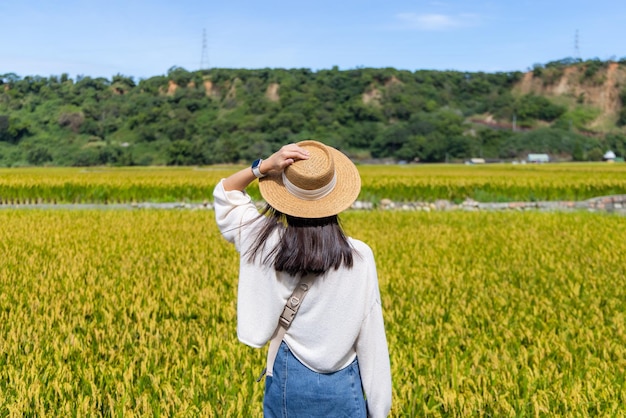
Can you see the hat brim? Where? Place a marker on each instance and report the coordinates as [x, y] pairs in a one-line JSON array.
[[339, 199]]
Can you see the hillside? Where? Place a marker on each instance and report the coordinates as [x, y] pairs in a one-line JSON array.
[[597, 86], [569, 109]]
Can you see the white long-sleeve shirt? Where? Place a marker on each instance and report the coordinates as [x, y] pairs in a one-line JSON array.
[[340, 319]]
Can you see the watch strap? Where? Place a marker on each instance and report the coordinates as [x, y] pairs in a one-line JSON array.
[[256, 168]]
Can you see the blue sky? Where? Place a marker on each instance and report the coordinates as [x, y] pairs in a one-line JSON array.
[[142, 38]]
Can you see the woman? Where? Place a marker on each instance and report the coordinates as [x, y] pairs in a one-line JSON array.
[[335, 351]]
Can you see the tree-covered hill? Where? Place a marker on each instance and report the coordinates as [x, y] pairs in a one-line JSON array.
[[568, 108]]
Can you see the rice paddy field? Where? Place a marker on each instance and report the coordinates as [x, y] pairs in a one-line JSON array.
[[132, 312], [487, 183]]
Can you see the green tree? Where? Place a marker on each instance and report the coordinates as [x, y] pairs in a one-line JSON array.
[[530, 107], [12, 130], [38, 155]]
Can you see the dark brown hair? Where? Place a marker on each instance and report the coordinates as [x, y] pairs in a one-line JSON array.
[[306, 246]]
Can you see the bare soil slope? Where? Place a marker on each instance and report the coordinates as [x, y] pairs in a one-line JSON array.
[[600, 89]]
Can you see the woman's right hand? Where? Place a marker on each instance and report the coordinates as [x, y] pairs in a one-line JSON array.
[[283, 158]]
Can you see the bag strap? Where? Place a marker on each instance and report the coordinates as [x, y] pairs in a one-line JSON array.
[[284, 321]]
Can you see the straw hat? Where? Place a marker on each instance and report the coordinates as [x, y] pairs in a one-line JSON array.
[[323, 185]]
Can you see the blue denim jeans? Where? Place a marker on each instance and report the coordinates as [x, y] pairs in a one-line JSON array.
[[297, 391]]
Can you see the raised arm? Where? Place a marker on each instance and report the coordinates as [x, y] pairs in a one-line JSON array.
[[278, 161]]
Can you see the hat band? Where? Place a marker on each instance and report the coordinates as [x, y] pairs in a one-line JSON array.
[[314, 194]]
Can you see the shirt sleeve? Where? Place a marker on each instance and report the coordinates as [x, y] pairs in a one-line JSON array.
[[373, 355], [233, 211]]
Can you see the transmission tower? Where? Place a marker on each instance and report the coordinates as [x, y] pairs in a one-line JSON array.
[[576, 45], [204, 59]]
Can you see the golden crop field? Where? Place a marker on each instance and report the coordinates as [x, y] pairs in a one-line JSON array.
[[486, 183], [132, 313]]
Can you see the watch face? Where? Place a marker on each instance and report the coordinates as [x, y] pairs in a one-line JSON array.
[[256, 168]]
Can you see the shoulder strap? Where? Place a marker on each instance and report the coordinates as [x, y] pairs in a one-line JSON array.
[[284, 321]]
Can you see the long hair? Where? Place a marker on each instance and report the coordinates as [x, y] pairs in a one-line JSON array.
[[306, 246]]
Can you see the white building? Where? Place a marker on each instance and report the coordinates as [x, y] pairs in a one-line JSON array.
[[538, 158], [609, 156]]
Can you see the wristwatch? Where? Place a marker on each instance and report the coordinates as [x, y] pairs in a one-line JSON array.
[[256, 168]]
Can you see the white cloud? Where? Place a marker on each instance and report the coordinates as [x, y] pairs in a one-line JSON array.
[[437, 22]]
